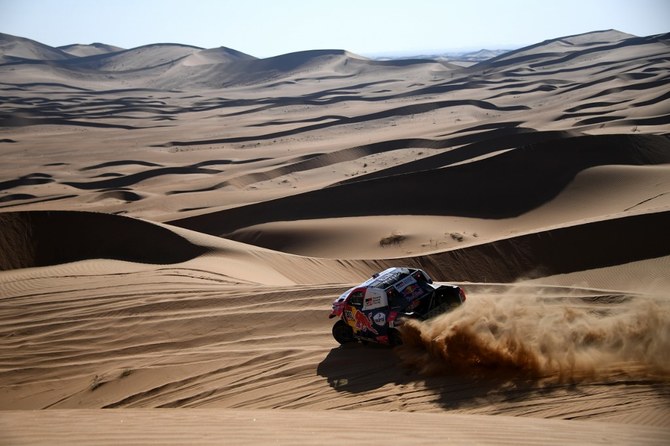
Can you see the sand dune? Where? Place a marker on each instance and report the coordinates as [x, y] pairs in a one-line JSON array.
[[19, 49], [261, 426], [80, 50], [177, 221], [140, 58]]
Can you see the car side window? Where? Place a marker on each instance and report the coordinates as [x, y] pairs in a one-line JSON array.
[[356, 299]]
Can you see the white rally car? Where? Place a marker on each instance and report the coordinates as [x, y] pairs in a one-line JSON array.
[[372, 311]]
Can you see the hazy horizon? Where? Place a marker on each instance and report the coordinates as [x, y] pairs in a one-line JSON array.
[[264, 28]]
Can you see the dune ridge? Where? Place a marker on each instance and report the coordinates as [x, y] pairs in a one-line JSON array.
[[43, 238], [424, 191], [176, 222]]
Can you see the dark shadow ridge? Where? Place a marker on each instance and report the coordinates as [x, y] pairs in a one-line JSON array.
[[297, 164], [131, 179], [342, 120], [83, 110], [120, 163], [123, 195], [662, 82], [14, 197], [26, 180], [522, 92], [505, 135], [33, 199], [501, 186], [558, 251], [43, 238], [31, 85], [22, 121], [652, 101]]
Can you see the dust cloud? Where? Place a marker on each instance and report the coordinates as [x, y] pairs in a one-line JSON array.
[[563, 337]]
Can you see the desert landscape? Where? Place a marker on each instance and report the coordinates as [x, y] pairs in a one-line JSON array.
[[176, 222]]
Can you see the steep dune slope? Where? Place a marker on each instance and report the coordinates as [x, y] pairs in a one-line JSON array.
[[500, 185], [50, 238]]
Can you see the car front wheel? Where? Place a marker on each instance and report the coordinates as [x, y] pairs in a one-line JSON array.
[[343, 332]]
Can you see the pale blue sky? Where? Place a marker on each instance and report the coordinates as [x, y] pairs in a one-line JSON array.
[[266, 28]]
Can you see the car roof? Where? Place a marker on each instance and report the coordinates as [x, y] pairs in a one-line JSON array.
[[387, 277]]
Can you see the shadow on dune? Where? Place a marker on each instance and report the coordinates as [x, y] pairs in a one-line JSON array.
[[557, 251], [506, 134], [26, 180], [334, 120], [85, 110], [43, 238], [131, 179], [357, 370], [23, 121], [120, 163], [483, 184]]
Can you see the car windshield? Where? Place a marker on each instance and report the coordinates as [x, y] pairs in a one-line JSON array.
[[388, 278]]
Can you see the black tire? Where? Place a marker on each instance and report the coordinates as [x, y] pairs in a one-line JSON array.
[[395, 338], [343, 332]]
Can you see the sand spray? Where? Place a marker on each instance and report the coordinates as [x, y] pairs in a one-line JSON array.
[[565, 337]]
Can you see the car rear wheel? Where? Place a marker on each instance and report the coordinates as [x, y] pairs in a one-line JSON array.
[[343, 332]]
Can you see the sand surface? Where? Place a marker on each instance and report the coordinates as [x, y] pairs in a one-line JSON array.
[[177, 221]]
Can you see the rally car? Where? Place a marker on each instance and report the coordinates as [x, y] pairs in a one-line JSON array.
[[372, 311]]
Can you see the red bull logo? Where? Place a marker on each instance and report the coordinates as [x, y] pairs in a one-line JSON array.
[[359, 321], [412, 291]]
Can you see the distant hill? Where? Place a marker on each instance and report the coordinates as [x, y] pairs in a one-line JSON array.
[[562, 46], [92, 49], [216, 56], [13, 48], [143, 57], [174, 65]]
